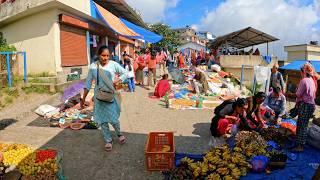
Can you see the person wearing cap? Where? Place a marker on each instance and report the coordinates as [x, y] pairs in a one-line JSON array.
[[276, 78], [275, 104], [305, 104]]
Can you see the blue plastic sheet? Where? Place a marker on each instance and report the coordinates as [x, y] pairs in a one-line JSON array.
[[147, 35], [267, 59], [303, 167]]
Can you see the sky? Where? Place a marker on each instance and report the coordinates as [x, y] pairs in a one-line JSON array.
[[292, 21]]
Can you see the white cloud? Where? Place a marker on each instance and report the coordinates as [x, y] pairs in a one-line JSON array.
[[152, 11], [291, 22]]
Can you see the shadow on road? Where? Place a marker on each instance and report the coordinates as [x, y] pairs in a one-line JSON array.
[[84, 156], [4, 123]]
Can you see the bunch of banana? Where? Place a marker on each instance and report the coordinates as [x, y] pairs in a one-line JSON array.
[[250, 144], [214, 176], [223, 171], [187, 160], [236, 173]]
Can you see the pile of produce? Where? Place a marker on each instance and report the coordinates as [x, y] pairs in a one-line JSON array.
[[274, 134], [32, 164], [219, 163], [250, 144]]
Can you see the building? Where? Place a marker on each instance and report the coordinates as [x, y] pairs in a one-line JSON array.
[[62, 36], [206, 35], [188, 34], [303, 51]]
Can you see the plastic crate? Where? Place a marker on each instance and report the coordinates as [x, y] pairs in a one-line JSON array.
[[156, 159]]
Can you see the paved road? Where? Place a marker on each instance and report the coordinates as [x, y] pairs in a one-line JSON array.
[[83, 153]]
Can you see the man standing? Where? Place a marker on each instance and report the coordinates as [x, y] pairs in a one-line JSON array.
[[276, 79]]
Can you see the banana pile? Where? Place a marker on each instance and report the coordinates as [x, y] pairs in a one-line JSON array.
[[23, 158], [218, 163], [250, 144]]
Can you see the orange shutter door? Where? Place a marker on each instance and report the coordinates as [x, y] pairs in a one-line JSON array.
[[73, 46]]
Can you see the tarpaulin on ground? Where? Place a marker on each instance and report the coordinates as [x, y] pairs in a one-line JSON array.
[[297, 64], [147, 35], [303, 167]]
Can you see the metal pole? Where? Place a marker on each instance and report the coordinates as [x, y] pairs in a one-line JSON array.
[[241, 79], [8, 69], [25, 67], [267, 48], [254, 84]]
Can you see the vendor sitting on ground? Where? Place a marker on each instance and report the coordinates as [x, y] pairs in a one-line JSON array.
[[199, 83], [162, 87], [228, 114], [275, 105], [254, 118]]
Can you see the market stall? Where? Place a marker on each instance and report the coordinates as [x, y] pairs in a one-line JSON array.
[[221, 87], [250, 155], [24, 162]]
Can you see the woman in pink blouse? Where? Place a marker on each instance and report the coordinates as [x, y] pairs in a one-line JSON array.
[[305, 103]]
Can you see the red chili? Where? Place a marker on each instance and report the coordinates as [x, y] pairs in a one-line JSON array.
[[43, 155]]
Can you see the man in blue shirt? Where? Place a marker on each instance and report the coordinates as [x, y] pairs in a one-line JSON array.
[[275, 104]]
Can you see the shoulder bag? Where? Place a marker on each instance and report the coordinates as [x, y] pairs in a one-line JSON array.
[[104, 93]]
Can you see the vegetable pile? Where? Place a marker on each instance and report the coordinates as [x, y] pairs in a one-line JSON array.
[[31, 163]]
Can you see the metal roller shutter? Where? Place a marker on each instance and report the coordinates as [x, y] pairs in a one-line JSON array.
[[73, 46]]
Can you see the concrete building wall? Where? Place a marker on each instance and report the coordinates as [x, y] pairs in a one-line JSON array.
[[9, 9], [83, 5], [296, 55], [314, 55], [233, 64], [39, 36], [19, 7], [238, 61]]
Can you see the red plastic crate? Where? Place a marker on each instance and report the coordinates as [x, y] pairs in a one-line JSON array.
[[156, 159]]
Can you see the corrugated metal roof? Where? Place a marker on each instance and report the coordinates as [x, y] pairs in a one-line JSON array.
[[243, 38]]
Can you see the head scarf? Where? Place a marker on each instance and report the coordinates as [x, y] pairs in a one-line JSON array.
[[308, 68]]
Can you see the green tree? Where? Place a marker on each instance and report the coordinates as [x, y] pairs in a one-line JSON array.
[[170, 37], [4, 46]]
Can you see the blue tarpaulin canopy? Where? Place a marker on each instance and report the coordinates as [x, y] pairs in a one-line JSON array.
[[147, 35], [112, 21], [297, 64]]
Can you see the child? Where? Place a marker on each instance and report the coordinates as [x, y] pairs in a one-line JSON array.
[[130, 75], [162, 87]]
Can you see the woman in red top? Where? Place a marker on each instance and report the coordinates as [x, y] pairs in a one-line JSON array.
[[181, 60], [162, 87], [226, 122], [152, 66]]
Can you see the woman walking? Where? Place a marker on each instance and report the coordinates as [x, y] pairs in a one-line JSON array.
[[152, 69], [141, 66], [105, 111]]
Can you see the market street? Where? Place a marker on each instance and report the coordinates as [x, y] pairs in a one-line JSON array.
[[84, 156]]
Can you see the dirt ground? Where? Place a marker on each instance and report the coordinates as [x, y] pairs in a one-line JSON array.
[[83, 153]]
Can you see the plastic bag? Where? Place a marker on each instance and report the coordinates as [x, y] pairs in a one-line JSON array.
[[259, 163], [44, 109], [314, 132]]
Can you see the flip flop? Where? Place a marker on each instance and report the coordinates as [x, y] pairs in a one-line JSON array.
[[122, 139], [108, 146]]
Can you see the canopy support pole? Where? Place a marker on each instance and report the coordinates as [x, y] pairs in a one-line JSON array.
[[267, 48]]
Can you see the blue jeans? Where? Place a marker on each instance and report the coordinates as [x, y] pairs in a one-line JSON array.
[[106, 131], [131, 84]]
